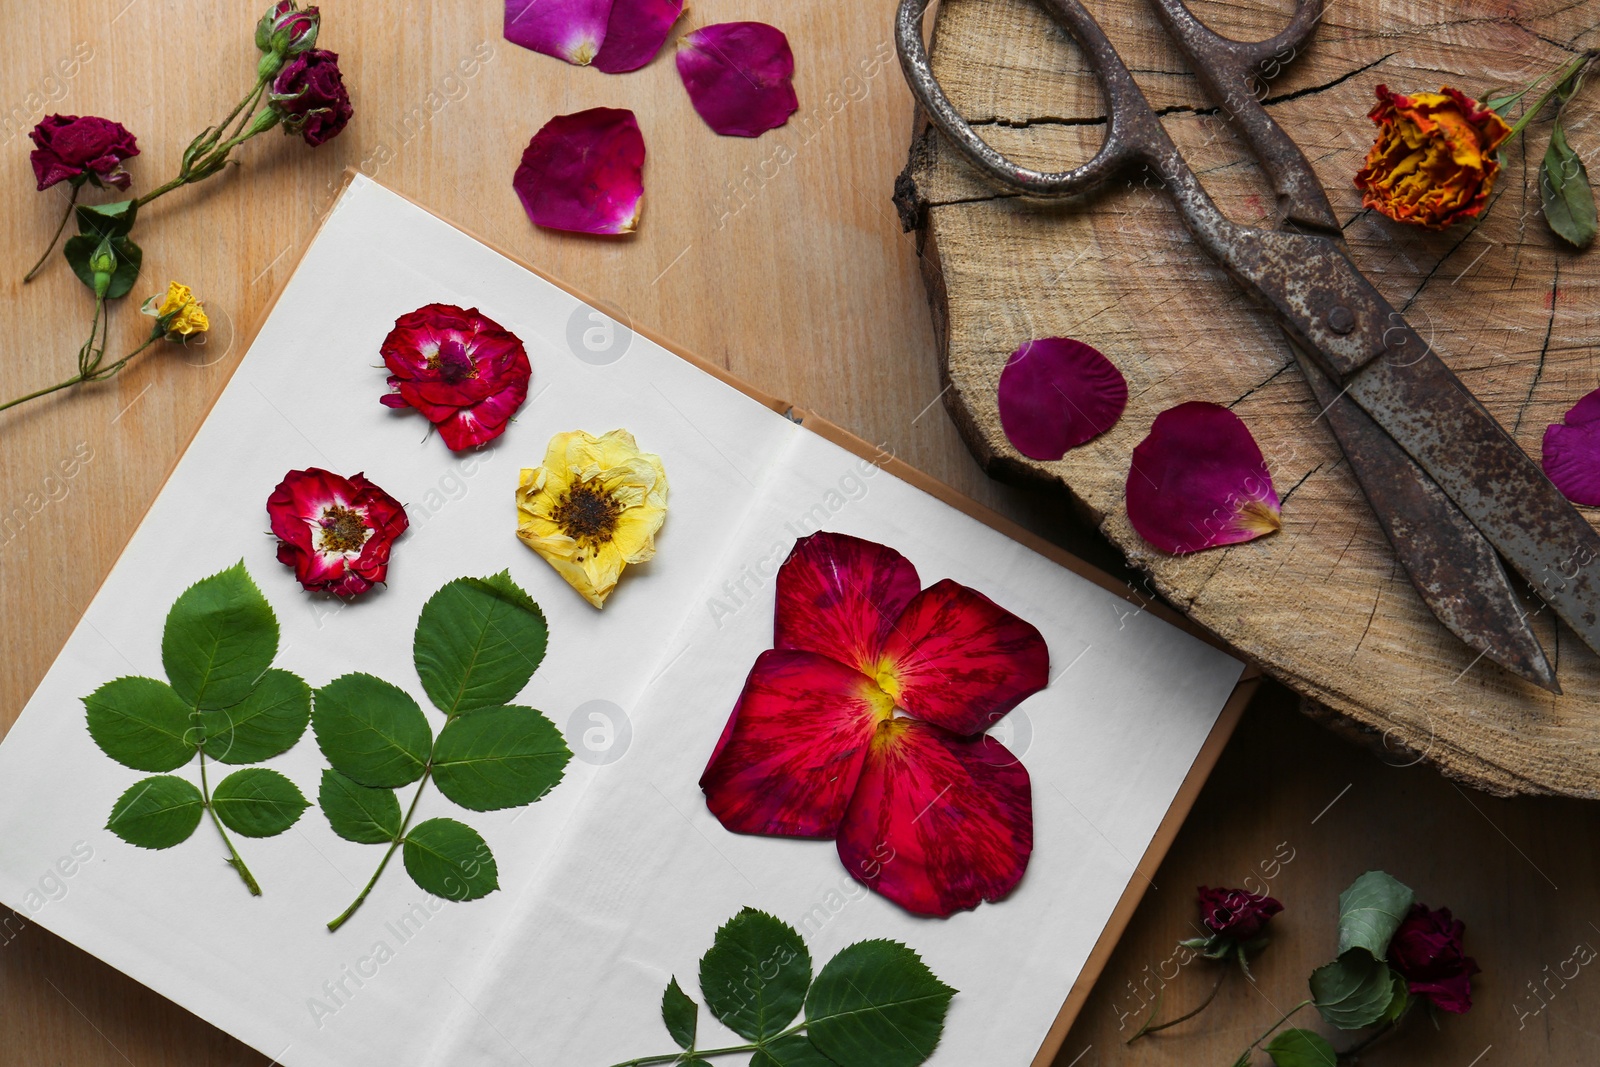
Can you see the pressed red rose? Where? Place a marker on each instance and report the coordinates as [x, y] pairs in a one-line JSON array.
[[1236, 913], [335, 532], [865, 724], [310, 96], [740, 77], [584, 172], [1057, 393], [1427, 951], [460, 368], [1572, 452], [79, 148]]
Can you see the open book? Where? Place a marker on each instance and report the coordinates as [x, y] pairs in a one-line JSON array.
[[618, 878]]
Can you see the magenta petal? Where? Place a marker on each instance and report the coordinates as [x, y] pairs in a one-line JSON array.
[[838, 595], [567, 29], [636, 32], [1199, 481], [1572, 452], [1057, 393], [583, 172], [740, 77]]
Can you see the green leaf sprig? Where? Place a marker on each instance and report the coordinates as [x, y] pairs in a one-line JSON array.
[[875, 1004], [1565, 194], [222, 701], [477, 643]]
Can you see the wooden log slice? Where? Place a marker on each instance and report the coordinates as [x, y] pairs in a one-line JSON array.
[[1322, 604]]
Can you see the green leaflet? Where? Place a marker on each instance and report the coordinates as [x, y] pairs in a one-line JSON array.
[[156, 812], [478, 641], [1370, 911], [264, 724], [371, 731], [499, 758], [141, 723], [1301, 1048], [754, 978], [357, 812], [1564, 191], [876, 1003], [107, 220], [1353, 991], [258, 802], [220, 636], [681, 1014], [450, 860]]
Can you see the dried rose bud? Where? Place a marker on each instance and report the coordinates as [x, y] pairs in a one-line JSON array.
[[1434, 161], [309, 97], [1236, 913], [81, 148], [286, 30], [1427, 951]]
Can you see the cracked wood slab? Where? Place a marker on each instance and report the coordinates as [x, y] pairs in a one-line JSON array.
[[1323, 604]]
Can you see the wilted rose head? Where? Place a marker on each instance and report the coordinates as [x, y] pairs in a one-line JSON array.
[[310, 97], [1427, 951], [1235, 913], [1434, 161], [81, 148]]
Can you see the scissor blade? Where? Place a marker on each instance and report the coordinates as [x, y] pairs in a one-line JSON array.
[[1424, 407], [1454, 569]]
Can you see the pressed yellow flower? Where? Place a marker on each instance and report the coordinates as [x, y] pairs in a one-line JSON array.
[[179, 312], [593, 508]]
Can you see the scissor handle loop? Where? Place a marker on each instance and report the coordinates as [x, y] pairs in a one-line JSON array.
[[1260, 57]]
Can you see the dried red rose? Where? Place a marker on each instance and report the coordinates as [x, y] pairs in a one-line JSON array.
[[740, 77], [461, 369], [309, 96], [1434, 161], [335, 532], [1057, 393], [79, 148], [1427, 951], [584, 172], [1236, 913], [1572, 452]]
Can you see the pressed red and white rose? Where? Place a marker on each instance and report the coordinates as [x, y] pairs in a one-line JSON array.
[[866, 724], [335, 532], [465, 372]]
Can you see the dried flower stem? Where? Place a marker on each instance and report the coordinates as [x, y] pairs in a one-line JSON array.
[[89, 369], [72, 202], [205, 156], [1185, 1017]]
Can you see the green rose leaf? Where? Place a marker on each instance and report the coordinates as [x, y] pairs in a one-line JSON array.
[[267, 722], [499, 758], [796, 1050], [876, 1004], [220, 637], [450, 860], [681, 1014], [141, 723], [755, 975], [258, 802], [1401, 998], [371, 731], [156, 812], [1302, 1048], [123, 276], [477, 643], [357, 812], [1353, 991], [79, 251], [1565, 192], [107, 220], [1370, 911]]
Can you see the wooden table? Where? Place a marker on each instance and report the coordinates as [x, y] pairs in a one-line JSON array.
[[795, 276]]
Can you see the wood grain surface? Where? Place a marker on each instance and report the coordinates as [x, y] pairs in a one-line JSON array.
[[796, 277], [1323, 605]]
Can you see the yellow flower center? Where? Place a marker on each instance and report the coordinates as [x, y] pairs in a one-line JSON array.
[[343, 529], [587, 513], [1257, 517]]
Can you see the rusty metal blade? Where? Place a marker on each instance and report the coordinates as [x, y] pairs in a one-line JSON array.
[[1454, 569], [1423, 406]]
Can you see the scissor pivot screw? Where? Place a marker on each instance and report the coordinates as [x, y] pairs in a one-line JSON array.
[[1341, 320]]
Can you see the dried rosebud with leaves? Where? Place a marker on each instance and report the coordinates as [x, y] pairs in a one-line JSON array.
[[286, 30]]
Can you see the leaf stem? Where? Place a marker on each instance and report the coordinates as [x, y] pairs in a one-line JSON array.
[[1185, 1017], [92, 374], [72, 202], [683, 1055], [1561, 79], [1244, 1057], [399, 838], [237, 862], [215, 154]]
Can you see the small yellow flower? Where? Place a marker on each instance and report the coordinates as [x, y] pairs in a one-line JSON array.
[[593, 508], [179, 312]]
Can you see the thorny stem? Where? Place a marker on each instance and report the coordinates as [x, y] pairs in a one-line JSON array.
[[236, 862], [399, 838], [684, 1055], [1186, 1016], [72, 202], [214, 152], [1245, 1055]]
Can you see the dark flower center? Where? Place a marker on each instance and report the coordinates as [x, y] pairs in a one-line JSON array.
[[452, 362], [587, 514], [343, 529]]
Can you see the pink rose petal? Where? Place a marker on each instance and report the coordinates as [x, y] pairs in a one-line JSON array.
[[1057, 393], [740, 77], [567, 29], [583, 172], [636, 32], [1572, 452], [1199, 481]]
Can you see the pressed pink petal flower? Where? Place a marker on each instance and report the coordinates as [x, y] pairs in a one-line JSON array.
[[635, 33], [938, 823], [1199, 481], [959, 660], [462, 370], [567, 29], [1572, 452], [583, 172], [740, 76], [837, 595], [790, 755], [1056, 393]]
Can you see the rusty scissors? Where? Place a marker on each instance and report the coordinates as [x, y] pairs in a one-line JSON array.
[[1450, 487]]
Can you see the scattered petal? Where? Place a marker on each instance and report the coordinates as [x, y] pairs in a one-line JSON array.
[[572, 30], [788, 760], [635, 33], [740, 77], [583, 172], [1056, 393], [460, 368], [957, 659], [335, 532], [1199, 481], [1572, 452], [838, 595], [938, 823]]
